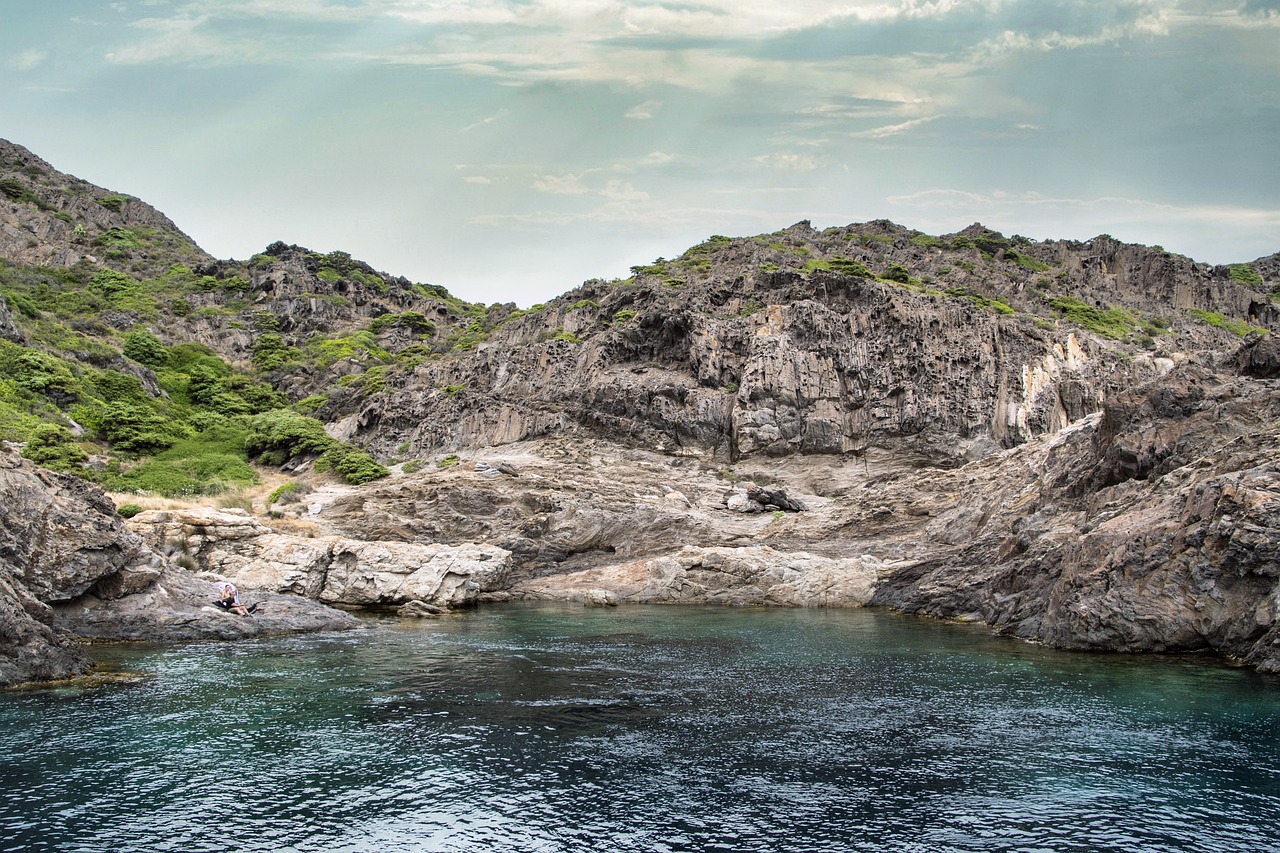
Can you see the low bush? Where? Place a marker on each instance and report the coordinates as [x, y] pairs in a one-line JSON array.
[[1109, 322]]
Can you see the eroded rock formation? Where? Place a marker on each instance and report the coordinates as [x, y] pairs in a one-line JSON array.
[[70, 568]]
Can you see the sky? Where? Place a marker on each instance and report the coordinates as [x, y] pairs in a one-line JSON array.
[[511, 149]]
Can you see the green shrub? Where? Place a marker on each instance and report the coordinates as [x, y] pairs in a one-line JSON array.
[[118, 239], [448, 461], [623, 316], [114, 202], [137, 428], [926, 241], [1239, 328], [270, 352], [413, 466], [412, 320], [145, 348], [1244, 274], [657, 268], [848, 266], [288, 432], [1108, 322], [280, 491], [1025, 261], [17, 191], [352, 464], [898, 273], [986, 302], [114, 385], [112, 285], [309, 405], [128, 510], [37, 372], [52, 446], [452, 390]]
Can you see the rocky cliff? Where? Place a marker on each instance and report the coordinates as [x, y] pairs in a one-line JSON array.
[[1074, 442]]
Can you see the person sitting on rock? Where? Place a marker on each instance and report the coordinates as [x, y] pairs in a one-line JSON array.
[[229, 599]]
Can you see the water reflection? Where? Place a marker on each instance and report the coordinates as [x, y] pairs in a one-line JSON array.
[[681, 729]]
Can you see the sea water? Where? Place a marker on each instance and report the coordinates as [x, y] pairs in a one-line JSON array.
[[557, 728]]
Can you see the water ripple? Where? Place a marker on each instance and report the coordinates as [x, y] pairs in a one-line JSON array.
[[645, 729]]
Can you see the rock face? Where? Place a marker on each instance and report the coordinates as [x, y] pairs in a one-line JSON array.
[[69, 567], [332, 569], [1154, 526], [59, 539], [53, 219], [961, 348], [736, 576]]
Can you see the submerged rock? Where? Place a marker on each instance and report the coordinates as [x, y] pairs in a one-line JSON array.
[[420, 610]]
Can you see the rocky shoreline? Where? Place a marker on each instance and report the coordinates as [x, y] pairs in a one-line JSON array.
[[1077, 443], [1149, 526]]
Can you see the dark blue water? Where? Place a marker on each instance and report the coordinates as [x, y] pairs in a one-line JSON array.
[[645, 729]]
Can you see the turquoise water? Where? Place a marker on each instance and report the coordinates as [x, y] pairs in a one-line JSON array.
[[551, 728]]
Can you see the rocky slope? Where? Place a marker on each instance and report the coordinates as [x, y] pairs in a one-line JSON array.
[[1074, 442]]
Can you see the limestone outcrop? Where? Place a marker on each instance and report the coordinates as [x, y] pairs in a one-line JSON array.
[[332, 569], [751, 576]]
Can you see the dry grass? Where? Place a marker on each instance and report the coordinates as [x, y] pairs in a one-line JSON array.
[[252, 499], [294, 526]]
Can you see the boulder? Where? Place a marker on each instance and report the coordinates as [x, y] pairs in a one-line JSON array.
[[419, 610], [600, 598]]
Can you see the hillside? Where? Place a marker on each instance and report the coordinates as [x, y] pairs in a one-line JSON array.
[[993, 423]]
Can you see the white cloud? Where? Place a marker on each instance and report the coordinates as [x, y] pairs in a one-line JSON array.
[[642, 111], [788, 162], [560, 185], [27, 60], [184, 39], [623, 191], [477, 179], [498, 116], [894, 129]]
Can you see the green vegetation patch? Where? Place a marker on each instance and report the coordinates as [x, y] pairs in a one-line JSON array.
[[985, 302], [1238, 328], [279, 435], [1111, 322], [1244, 274]]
